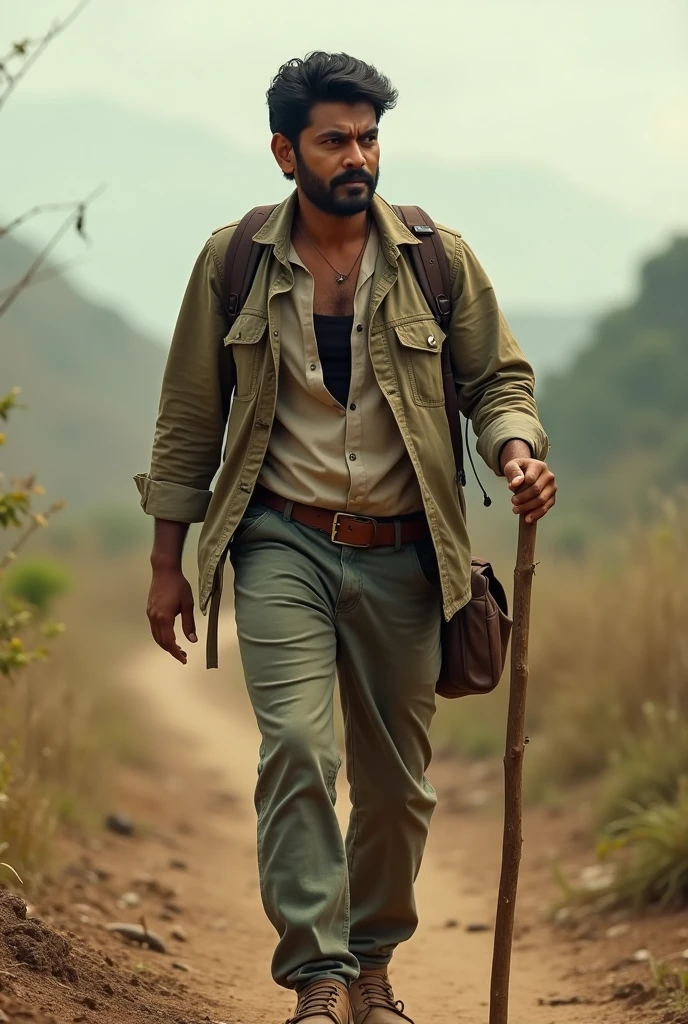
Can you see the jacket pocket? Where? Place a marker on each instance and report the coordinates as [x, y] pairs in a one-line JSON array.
[[422, 348], [245, 337]]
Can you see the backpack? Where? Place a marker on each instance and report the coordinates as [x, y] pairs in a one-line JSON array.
[[474, 641]]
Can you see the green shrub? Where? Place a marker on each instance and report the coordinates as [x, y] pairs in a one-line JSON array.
[[37, 583]]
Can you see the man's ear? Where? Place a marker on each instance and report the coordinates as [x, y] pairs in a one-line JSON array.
[[283, 152]]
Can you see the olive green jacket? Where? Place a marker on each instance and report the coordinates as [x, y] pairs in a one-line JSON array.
[[209, 364]]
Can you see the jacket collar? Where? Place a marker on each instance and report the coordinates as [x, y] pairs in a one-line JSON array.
[[277, 229]]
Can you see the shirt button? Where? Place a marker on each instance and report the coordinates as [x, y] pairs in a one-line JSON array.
[[313, 366], [353, 406], [352, 456], [276, 334], [359, 497], [359, 328]]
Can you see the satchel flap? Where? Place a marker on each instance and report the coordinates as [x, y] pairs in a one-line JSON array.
[[484, 581]]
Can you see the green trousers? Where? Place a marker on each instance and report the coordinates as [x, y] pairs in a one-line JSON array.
[[308, 609]]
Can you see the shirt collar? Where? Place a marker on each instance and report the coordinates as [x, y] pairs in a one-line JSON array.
[[277, 229]]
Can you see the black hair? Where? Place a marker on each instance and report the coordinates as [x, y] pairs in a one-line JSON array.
[[324, 78]]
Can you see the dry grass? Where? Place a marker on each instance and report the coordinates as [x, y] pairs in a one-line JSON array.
[[609, 666], [63, 722]]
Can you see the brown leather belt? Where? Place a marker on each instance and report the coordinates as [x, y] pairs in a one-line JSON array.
[[348, 529]]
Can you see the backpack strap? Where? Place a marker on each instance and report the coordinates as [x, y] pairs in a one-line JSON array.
[[429, 261], [242, 259], [431, 267]]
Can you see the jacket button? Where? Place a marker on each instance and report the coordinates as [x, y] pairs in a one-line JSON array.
[[432, 342], [359, 328], [352, 456]]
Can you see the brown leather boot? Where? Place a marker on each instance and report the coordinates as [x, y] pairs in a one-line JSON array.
[[372, 999], [323, 1002]]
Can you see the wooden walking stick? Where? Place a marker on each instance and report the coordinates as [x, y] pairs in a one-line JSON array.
[[513, 775]]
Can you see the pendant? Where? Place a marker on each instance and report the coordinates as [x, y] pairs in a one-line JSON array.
[[341, 279]]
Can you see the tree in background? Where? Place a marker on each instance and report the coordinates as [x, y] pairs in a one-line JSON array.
[[618, 418]]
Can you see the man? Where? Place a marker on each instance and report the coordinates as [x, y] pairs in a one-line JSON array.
[[338, 503]]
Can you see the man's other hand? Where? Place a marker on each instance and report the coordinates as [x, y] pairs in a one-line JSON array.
[[171, 595]]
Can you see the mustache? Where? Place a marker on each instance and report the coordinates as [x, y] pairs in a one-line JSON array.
[[353, 178]]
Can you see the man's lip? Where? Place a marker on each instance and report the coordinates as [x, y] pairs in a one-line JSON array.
[[359, 181]]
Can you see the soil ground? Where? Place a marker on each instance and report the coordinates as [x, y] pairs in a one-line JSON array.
[[189, 873]]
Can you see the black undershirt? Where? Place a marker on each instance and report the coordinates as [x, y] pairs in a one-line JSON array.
[[333, 335]]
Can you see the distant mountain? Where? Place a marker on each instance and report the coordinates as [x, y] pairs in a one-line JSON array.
[[547, 245], [618, 417], [90, 382]]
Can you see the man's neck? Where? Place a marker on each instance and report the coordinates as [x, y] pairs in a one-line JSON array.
[[326, 230]]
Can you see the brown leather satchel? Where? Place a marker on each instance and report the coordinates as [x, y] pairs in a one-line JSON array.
[[474, 641]]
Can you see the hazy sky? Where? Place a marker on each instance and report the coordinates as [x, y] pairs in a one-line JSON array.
[[595, 90]]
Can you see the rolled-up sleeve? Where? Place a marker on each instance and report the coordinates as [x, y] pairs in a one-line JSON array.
[[192, 413], [495, 382]]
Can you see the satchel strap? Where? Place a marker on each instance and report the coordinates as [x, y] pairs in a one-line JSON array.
[[431, 267]]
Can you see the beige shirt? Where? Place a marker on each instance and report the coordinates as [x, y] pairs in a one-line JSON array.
[[349, 459]]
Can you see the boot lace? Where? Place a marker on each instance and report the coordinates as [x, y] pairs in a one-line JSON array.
[[317, 999], [377, 991]]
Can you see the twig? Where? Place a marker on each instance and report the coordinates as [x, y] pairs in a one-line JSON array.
[[35, 211], [13, 80], [77, 218], [513, 776]]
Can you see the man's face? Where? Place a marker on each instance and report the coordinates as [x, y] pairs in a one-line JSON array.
[[337, 161]]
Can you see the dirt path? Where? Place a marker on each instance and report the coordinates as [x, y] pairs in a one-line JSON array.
[[443, 974], [191, 870]]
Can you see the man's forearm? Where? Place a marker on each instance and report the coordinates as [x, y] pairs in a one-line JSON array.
[[514, 449], [168, 544]]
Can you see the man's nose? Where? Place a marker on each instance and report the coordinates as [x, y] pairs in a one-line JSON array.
[[355, 156]]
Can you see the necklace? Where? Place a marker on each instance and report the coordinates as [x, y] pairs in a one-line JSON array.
[[340, 278]]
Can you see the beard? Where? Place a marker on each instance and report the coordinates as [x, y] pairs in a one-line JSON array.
[[324, 196]]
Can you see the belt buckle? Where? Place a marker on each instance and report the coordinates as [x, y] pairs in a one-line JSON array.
[[359, 519]]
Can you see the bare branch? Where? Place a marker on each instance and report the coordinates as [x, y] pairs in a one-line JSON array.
[[35, 211], [30, 50], [76, 218]]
